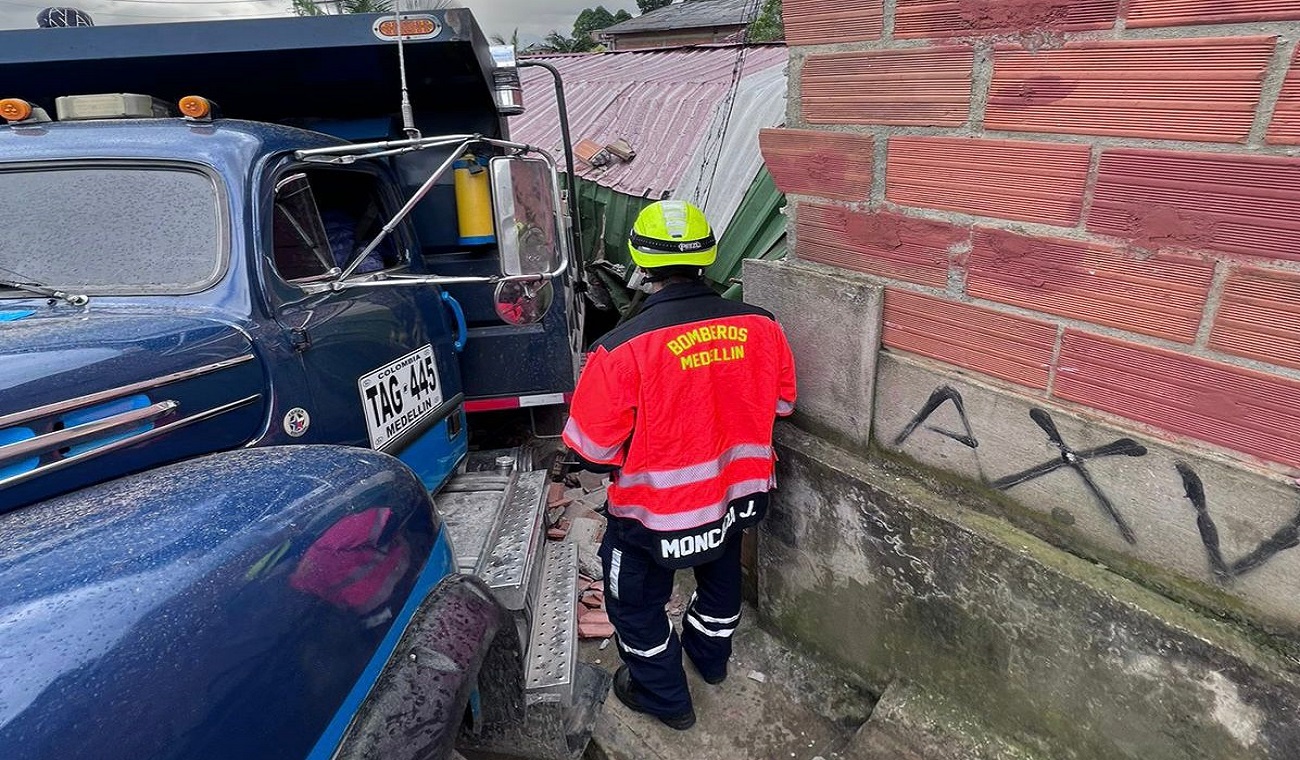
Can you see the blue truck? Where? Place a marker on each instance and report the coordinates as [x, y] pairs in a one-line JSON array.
[[254, 278]]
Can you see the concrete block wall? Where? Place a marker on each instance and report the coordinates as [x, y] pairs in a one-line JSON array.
[[1089, 211]]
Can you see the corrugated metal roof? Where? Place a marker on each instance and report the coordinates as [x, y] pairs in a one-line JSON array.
[[669, 105], [719, 173], [691, 14]]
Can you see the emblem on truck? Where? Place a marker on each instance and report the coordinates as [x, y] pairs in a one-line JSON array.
[[296, 422]]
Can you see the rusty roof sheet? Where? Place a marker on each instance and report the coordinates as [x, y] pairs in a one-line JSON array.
[[666, 104], [692, 14]]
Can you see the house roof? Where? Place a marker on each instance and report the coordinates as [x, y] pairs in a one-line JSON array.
[[674, 108], [691, 14]]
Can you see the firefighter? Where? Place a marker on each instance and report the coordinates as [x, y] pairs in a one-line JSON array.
[[678, 403]]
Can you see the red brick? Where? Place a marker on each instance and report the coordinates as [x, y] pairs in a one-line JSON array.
[[1026, 181], [883, 244], [1192, 89], [1250, 412], [970, 18], [825, 164], [918, 87], [1233, 204], [1002, 345], [1148, 13], [1259, 317], [815, 22], [594, 624], [1162, 296], [1285, 129]]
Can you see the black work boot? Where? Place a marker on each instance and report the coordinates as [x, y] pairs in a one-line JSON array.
[[712, 680], [626, 691]]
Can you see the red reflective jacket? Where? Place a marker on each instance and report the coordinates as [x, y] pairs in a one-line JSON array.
[[682, 400]]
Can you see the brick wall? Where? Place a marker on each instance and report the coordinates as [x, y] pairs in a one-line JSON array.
[[1093, 200]]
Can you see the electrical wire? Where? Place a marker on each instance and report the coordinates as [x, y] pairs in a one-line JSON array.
[[752, 9]]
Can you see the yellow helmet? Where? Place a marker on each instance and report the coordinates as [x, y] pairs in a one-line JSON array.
[[672, 234]]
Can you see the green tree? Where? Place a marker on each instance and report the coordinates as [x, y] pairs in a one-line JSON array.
[[770, 24], [512, 41], [652, 5], [583, 39], [593, 20], [556, 42]]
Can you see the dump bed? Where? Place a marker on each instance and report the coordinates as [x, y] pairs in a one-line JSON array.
[[277, 70]]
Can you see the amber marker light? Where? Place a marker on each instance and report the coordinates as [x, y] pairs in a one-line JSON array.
[[13, 109], [411, 27], [195, 107]]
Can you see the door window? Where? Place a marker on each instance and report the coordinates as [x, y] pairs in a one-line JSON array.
[[324, 219]]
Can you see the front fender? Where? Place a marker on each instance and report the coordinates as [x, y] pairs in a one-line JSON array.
[[220, 608]]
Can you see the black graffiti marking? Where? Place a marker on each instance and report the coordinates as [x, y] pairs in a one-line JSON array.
[[1074, 460], [942, 395], [1286, 537]]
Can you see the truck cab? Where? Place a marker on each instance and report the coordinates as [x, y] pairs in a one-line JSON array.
[[240, 324]]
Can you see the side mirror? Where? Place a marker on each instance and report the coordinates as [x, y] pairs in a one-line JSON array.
[[526, 199], [523, 303]]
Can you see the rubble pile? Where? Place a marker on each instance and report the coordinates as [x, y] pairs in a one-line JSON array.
[[575, 513]]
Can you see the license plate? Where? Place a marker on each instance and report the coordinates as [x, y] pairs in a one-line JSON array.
[[398, 396]]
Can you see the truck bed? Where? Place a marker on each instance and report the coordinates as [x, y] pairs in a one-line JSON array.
[[228, 61]]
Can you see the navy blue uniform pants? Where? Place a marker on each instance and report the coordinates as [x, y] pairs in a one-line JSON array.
[[636, 591]]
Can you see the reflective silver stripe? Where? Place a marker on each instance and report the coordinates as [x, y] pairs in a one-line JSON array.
[[705, 618], [696, 473], [784, 407], [615, 564], [696, 517], [697, 625], [648, 652], [587, 448]]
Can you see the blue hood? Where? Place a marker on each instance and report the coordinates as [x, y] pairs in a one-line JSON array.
[[90, 396]]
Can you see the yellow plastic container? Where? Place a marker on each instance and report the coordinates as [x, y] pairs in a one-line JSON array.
[[474, 201]]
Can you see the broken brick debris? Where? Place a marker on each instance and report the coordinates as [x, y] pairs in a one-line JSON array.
[[594, 624]]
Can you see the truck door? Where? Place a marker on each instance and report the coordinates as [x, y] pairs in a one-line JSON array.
[[380, 361]]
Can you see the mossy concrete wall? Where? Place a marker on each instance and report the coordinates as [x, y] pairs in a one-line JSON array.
[[1083, 586], [892, 581]]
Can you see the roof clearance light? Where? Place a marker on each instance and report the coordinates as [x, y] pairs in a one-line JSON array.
[[195, 107], [412, 28], [13, 109], [117, 105]]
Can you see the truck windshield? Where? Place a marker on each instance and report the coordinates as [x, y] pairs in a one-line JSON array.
[[110, 229]]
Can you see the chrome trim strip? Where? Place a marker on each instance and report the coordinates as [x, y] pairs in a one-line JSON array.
[[115, 445], [68, 405], [83, 433]]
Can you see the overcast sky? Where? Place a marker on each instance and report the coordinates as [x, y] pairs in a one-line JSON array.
[[533, 18]]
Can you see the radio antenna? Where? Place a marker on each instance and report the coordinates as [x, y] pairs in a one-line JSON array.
[[408, 114]]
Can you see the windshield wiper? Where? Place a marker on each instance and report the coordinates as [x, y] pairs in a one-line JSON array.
[[76, 299]]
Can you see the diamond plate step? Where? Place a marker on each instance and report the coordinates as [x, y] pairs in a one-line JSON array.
[[470, 506], [511, 563], [552, 649]]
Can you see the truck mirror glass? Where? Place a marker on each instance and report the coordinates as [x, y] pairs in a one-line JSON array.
[[526, 201], [523, 303]]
